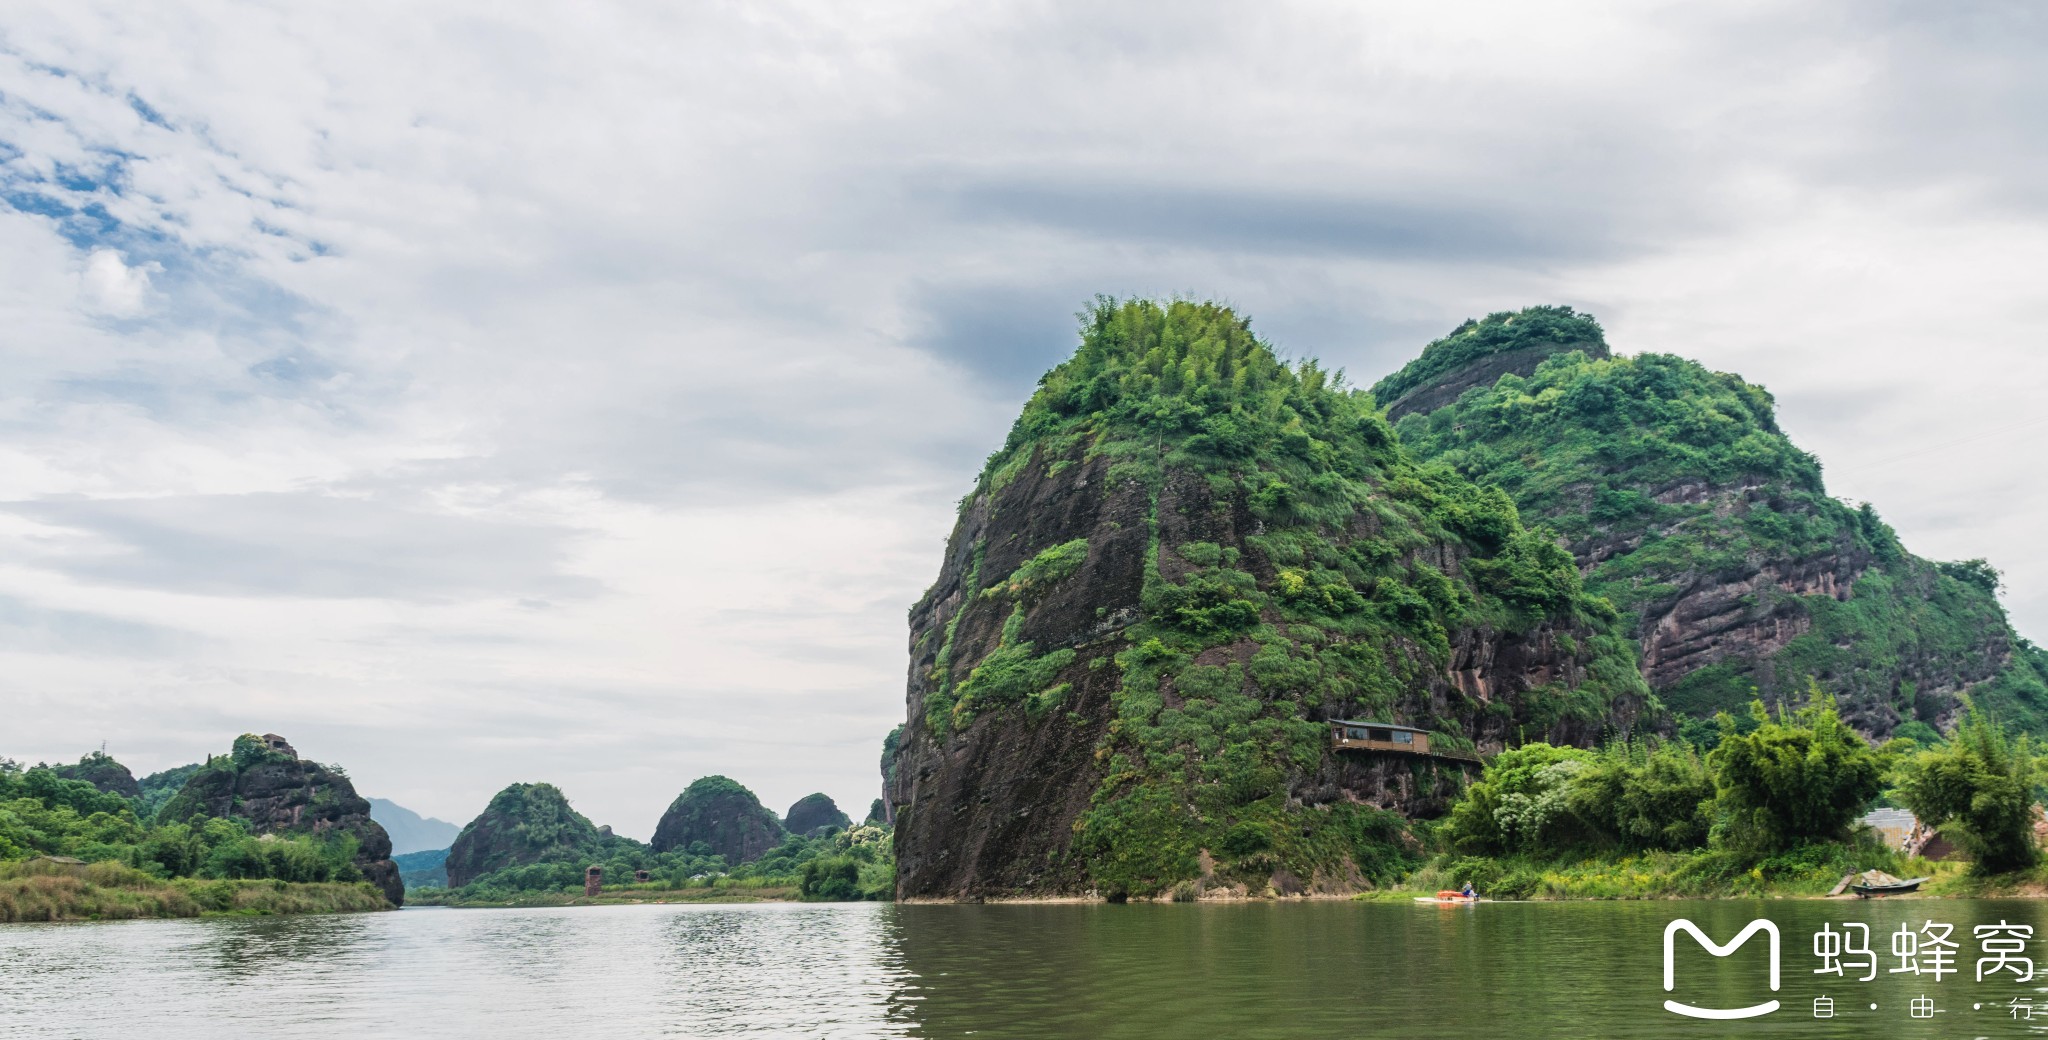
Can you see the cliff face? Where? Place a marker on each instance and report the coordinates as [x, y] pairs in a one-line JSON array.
[[1738, 575], [280, 793], [722, 814], [1187, 558], [524, 823]]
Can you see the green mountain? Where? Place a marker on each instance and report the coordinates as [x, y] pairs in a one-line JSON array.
[[1185, 559], [723, 817], [1688, 508], [814, 812], [524, 824], [105, 775]]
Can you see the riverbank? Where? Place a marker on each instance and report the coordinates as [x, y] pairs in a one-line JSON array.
[[1807, 873], [613, 897], [43, 890]]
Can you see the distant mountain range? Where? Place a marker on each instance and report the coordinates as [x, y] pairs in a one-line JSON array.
[[411, 832]]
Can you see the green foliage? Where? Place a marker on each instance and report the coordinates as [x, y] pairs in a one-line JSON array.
[[1671, 476], [1048, 568], [1343, 592], [1978, 574], [1795, 777], [853, 864], [42, 813], [1497, 333], [1981, 784]]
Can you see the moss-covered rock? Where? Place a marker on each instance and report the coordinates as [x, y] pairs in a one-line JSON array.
[[813, 813], [281, 793], [723, 815], [1737, 574], [100, 770], [1185, 559], [523, 824]]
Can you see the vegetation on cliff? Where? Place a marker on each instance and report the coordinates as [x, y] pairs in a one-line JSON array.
[[1556, 328], [1715, 537], [1297, 565], [523, 824], [281, 795], [70, 850]]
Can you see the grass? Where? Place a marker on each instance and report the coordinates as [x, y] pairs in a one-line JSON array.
[[40, 890], [1805, 873]]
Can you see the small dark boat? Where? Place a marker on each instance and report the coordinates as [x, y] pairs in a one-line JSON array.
[[1879, 883]]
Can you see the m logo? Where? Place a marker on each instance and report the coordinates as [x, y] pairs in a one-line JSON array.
[[1670, 974]]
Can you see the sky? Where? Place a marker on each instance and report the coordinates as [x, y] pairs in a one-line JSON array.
[[491, 392]]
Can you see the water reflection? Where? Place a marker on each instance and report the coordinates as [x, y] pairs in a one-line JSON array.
[[1253, 971]]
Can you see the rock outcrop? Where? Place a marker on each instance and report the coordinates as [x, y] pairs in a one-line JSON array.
[[101, 771], [723, 815], [1185, 561], [813, 813], [523, 824], [280, 793], [1686, 506]]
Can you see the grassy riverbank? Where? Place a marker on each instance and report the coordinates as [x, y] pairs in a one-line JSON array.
[[741, 893], [1805, 872], [40, 890]]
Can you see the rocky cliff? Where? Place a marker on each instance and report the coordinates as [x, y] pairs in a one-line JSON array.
[[523, 824], [1186, 559], [814, 812], [723, 815], [265, 782], [1687, 506]]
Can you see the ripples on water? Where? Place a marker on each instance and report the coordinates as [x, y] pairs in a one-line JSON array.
[[1203, 972]]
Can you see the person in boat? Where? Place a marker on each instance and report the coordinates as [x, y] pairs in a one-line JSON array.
[[1468, 893]]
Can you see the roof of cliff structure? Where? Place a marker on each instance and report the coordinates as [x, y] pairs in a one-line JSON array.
[[1479, 351]]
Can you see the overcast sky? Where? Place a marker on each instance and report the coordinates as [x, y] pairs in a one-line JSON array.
[[487, 392]]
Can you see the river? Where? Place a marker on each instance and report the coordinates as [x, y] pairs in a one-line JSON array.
[[1198, 972]]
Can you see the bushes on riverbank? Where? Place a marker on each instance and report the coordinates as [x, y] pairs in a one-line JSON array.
[[49, 890], [1768, 809]]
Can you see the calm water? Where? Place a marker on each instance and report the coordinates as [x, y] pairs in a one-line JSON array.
[[1182, 971]]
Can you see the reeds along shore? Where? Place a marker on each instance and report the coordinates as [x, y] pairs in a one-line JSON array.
[[46, 890]]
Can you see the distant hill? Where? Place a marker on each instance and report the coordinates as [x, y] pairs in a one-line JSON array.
[[427, 869], [411, 832]]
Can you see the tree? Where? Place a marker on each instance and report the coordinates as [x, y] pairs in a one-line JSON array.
[[1981, 782], [1796, 777]]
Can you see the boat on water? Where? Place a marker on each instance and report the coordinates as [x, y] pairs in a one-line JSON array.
[[1450, 898], [1878, 883]]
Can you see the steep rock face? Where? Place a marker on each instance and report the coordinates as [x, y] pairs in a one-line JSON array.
[[101, 771], [524, 823], [814, 812], [722, 814], [280, 793], [1687, 507], [1185, 560]]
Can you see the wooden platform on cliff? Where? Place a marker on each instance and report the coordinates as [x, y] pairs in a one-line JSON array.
[[1353, 735]]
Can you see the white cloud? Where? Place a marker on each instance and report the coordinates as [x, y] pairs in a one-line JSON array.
[[496, 392], [111, 287]]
